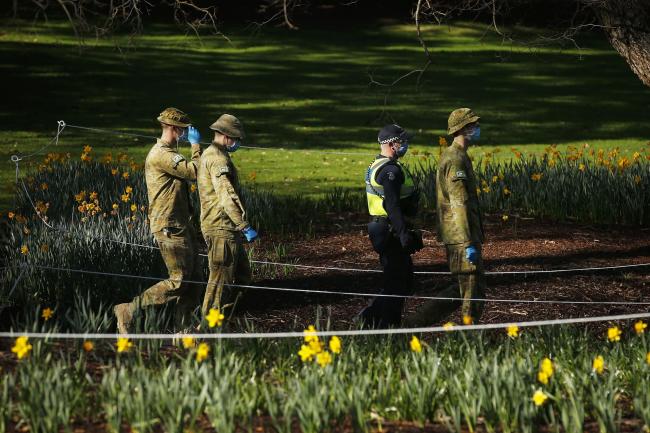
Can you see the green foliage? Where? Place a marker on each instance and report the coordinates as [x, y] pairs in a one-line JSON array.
[[466, 381]]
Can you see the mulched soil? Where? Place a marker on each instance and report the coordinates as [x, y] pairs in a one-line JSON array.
[[521, 244]]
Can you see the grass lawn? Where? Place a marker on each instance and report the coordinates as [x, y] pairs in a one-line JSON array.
[[309, 90]]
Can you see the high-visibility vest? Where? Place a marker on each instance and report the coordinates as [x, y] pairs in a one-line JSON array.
[[375, 192]]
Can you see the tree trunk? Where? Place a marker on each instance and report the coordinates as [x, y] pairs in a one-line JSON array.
[[627, 24]]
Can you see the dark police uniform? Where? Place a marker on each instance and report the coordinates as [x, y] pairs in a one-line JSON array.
[[392, 197]]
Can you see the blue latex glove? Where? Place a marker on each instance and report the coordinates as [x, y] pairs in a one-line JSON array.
[[250, 234], [193, 135], [471, 254]]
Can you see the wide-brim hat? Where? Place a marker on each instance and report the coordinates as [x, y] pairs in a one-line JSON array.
[[229, 125], [174, 117], [460, 118]]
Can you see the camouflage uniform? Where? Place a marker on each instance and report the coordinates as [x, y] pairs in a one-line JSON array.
[[459, 226], [222, 218], [166, 175]]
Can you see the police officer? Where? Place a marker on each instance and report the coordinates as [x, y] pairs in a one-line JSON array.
[[392, 197], [166, 175], [460, 225], [223, 218]]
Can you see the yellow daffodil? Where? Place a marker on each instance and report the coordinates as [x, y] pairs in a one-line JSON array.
[[47, 314], [442, 141], [214, 317], [467, 320], [324, 358], [115, 206], [44, 186], [11, 215], [134, 207], [647, 358], [639, 327], [114, 171], [123, 344], [202, 352], [540, 397], [193, 187], [599, 364], [506, 191], [415, 344], [546, 366], [188, 342], [128, 190], [305, 353], [24, 250], [614, 333], [582, 167], [310, 334], [513, 331], [88, 149], [125, 175], [448, 325], [93, 195], [335, 344], [536, 177], [88, 346], [21, 347], [542, 377], [505, 218], [125, 198], [316, 346]]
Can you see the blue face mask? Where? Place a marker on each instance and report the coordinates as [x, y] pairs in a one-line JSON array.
[[233, 148], [401, 151], [475, 135]]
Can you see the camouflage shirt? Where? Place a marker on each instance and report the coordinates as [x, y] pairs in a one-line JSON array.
[[166, 172], [459, 215], [221, 208]]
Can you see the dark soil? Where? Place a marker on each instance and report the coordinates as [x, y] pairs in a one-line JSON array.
[[512, 246]]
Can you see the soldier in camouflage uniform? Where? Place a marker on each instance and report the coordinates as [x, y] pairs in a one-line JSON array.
[[166, 175], [460, 225], [223, 218]]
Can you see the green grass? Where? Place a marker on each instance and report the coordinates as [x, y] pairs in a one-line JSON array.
[[309, 90]]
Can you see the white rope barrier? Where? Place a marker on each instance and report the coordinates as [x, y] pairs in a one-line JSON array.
[[346, 293], [341, 333]]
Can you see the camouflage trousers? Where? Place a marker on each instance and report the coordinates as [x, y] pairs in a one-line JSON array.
[[228, 264], [471, 285], [178, 247]]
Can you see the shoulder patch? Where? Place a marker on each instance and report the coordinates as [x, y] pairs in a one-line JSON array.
[[224, 169], [460, 175], [177, 158], [391, 175]]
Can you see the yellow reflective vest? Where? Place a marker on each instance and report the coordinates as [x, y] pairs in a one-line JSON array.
[[375, 192]]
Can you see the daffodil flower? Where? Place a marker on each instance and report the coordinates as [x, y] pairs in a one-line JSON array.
[[202, 352], [335, 344], [415, 344], [540, 397], [214, 317]]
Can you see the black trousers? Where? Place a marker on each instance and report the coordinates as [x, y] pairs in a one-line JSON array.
[[384, 312]]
